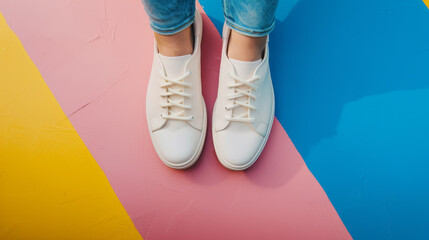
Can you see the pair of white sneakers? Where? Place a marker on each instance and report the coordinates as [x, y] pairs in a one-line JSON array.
[[176, 112]]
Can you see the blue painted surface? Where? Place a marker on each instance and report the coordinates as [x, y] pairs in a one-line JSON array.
[[352, 91]]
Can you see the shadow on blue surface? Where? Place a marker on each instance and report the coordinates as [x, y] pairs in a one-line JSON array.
[[349, 79]]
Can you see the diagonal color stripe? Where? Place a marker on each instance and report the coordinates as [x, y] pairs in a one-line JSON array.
[[353, 78], [50, 185], [96, 58]]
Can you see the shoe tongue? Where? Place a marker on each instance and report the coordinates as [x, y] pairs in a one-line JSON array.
[[175, 68], [244, 70]]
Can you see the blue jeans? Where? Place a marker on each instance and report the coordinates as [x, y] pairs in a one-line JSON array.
[[254, 18]]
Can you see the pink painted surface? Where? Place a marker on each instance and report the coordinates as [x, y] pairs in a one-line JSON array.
[[96, 56]]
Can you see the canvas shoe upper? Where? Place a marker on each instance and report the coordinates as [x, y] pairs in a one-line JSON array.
[[175, 108], [243, 113]]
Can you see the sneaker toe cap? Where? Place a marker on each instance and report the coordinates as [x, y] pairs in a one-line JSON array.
[[178, 144], [238, 149]]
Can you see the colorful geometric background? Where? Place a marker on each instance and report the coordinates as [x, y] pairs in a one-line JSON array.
[[352, 92]]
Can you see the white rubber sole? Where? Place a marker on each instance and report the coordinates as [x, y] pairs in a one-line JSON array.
[[261, 148], [197, 153]]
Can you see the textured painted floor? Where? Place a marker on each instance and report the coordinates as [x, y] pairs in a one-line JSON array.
[[351, 83], [353, 78], [51, 187]]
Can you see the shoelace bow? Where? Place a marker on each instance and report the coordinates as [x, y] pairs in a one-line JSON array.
[[170, 91], [238, 82]]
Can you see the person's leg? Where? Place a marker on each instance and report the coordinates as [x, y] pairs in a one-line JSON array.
[[171, 21], [251, 22], [245, 48], [178, 44], [175, 109]]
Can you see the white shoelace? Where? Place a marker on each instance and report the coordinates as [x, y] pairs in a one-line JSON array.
[[170, 91], [238, 93]]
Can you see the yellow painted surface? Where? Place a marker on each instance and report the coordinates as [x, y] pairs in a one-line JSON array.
[[426, 2], [50, 185]]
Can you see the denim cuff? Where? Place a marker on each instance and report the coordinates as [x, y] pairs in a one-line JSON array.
[[248, 31], [173, 30]]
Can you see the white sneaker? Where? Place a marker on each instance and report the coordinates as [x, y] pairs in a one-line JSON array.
[[244, 110], [175, 108]]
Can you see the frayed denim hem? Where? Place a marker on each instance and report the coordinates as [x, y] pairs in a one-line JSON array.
[[175, 29]]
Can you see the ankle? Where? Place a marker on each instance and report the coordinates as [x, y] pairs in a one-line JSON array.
[[245, 48], [179, 44]]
